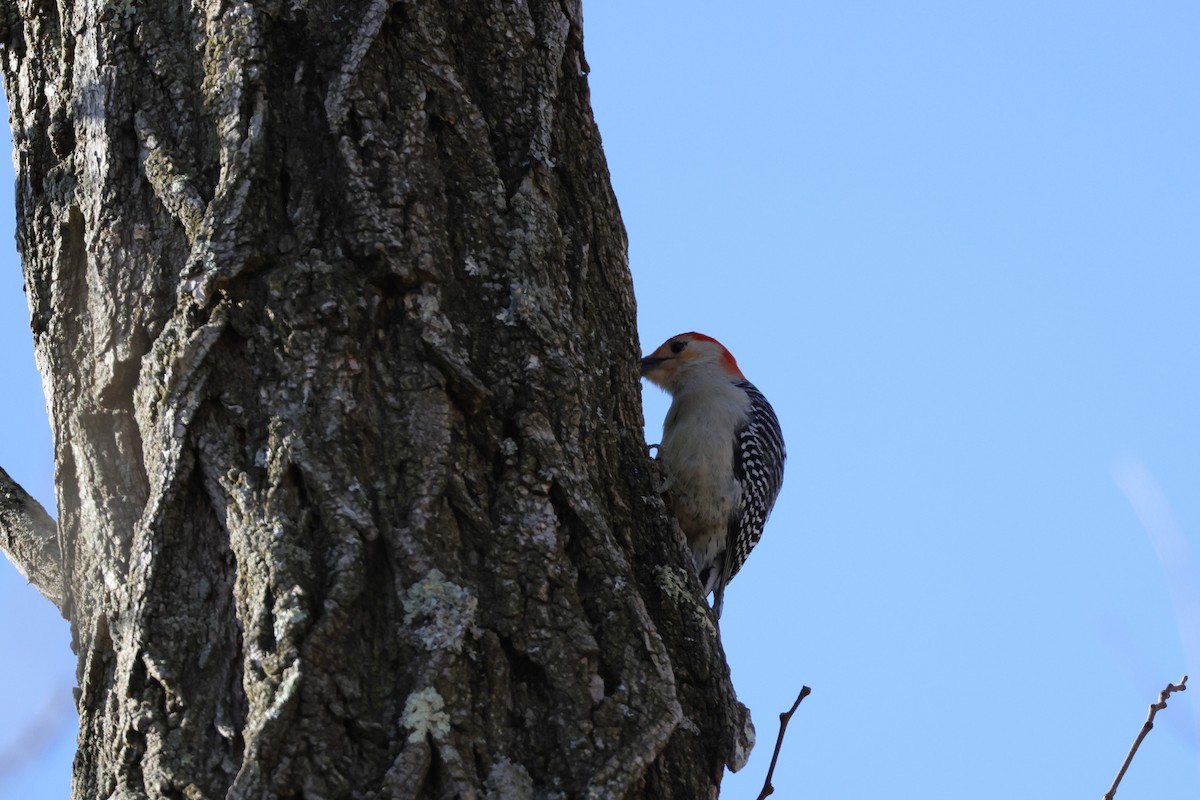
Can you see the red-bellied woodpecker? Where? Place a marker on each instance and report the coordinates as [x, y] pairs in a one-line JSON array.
[[722, 451]]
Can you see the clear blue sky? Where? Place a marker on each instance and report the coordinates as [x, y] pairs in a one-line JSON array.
[[958, 245]]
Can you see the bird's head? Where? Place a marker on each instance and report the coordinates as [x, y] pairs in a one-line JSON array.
[[688, 354]]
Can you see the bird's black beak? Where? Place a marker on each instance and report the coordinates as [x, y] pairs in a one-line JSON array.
[[649, 364]]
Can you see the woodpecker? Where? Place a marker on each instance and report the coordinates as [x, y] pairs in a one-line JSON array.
[[722, 451]]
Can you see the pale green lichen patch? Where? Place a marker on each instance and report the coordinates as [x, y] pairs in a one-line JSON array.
[[675, 583], [441, 611], [425, 715], [677, 587]]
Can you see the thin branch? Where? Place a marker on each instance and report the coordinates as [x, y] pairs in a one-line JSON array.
[[1146, 726], [29, 537], [784, 718]]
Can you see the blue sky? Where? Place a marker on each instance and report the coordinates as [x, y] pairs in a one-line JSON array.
[[957, 245]]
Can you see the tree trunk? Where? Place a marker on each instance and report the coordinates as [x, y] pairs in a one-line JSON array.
[[332, 307]]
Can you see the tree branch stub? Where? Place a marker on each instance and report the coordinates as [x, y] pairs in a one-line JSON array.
[[29, 537]]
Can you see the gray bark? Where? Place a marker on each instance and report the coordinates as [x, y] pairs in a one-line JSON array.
[[29, 537], [332, 304]]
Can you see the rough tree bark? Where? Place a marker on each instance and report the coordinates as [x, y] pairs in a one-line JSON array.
[[332, 306]]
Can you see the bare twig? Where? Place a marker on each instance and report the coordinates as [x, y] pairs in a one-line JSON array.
[[1146, 726], [768, 789]]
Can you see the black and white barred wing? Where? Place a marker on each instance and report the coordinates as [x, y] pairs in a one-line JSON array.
[[758, 458]]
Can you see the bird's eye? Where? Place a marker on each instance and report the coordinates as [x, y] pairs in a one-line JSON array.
[[677, 347]]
